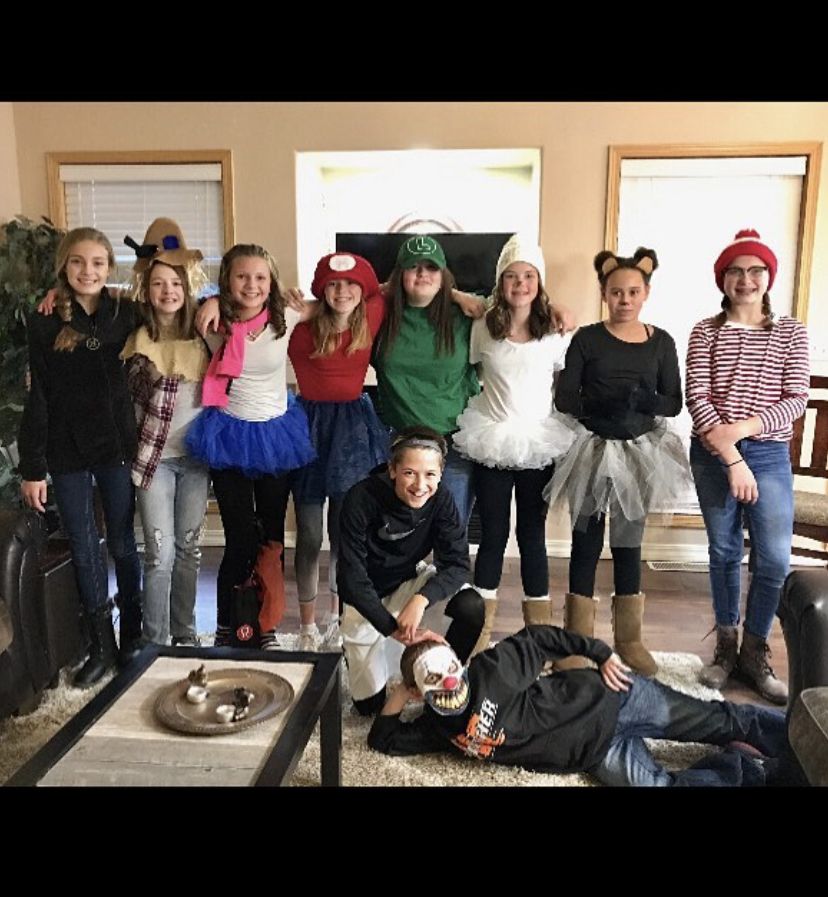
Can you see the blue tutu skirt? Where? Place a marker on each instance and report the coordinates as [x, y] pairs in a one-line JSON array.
[[255, 447], [350, 442]]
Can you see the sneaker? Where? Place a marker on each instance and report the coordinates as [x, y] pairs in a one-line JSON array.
[[186, 641], [332, 639], [308, 637], [268, 641]]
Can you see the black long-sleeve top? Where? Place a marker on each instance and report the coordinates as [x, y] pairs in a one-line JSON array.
[[602, 372], [79, 412], [558, 723], [382, 540]]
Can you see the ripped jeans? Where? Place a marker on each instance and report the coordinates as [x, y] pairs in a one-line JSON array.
[[172, 514]]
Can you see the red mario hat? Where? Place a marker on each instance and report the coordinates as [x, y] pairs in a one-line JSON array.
[[344, 266]]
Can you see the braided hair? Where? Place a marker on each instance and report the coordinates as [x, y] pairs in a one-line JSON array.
[[68, 338]]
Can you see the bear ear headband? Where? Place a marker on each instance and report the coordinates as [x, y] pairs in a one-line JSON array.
[[644, 265]]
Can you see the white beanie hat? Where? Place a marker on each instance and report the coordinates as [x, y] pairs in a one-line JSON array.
[[520, 249]]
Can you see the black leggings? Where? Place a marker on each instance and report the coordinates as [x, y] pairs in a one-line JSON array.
[[583, 560], [493, 493], [252, 512]]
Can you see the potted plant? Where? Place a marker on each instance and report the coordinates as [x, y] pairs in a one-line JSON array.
[[27, 271]]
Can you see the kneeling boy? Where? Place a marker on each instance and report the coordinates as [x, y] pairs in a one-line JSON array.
[[390, 522]]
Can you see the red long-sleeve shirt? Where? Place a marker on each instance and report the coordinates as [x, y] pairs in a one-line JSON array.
[[736, 372]]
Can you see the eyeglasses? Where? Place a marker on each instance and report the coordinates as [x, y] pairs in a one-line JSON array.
[[753, 273]]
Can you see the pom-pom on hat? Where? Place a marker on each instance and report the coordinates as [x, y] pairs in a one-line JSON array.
[[344, 266], [746, 242], [163, 242], [520, 249], [420, 248]]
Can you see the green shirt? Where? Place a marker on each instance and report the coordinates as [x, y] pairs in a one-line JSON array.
[[418, 386]]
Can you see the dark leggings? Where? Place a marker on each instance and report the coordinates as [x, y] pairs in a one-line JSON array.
[[493, 493], [467, 617], [252, 511], [586, 549]]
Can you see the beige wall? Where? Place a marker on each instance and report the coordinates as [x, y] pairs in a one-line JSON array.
[[573, 138], [9, 178]]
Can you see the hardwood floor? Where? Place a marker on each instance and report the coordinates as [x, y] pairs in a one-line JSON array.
[[677, 617]]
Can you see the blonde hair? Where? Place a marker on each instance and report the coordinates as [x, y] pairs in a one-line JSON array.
[[193, 279], [326, 338], [68, 338]]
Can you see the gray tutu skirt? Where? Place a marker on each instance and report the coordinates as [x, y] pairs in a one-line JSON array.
[[623, 478]]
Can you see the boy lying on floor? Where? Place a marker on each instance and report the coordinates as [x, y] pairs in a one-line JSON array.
[[501, 709]]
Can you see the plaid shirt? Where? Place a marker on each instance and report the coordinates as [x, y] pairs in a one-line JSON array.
[[154, 399]]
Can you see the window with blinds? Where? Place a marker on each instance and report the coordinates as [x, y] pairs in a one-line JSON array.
[[123, 199]]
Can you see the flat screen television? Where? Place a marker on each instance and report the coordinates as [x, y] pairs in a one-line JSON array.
[[471, 258]]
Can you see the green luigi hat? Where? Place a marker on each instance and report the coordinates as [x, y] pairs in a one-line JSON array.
[[420, 249]]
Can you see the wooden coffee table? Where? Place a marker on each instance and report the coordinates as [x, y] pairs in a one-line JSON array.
[[116, 739]]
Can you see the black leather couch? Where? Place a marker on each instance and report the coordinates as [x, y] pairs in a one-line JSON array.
[[803, 610], [40, 613]]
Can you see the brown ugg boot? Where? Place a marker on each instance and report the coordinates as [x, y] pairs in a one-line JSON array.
[[537, 611], [490, 609], [753, 668], [716, 674], [627, 614], [579, 617]]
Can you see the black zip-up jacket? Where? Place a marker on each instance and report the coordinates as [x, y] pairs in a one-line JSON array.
[[79, 412], [559, 723], [382, 540]]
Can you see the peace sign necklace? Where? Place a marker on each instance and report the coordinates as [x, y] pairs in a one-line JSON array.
[[92, 341]]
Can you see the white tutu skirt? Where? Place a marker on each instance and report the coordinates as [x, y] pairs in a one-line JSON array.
[[514, 444], [622, 478]]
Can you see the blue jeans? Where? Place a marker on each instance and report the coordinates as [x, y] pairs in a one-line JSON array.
[[769, 523], [457, 478], [73, 492], [172, 516], [651, 709]]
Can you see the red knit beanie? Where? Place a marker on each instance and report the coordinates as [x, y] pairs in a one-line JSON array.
[[746, 242], [344, 266]]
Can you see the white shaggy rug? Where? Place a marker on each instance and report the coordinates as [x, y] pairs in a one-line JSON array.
[[20, 737]]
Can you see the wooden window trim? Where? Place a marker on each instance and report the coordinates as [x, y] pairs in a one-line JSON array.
[[807, 212], [57, 196]]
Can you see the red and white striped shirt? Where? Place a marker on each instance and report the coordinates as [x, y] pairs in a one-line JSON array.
[[738, 372]]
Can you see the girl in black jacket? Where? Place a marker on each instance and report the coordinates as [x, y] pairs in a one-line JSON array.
[[79, 426]]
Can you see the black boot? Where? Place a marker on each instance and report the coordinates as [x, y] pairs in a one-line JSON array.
[[129, 629], [103, 651]]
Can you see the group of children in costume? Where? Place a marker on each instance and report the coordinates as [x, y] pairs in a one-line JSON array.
[[219, 409]]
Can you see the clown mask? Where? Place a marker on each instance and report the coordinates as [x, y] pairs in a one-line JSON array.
[[441, 679]]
